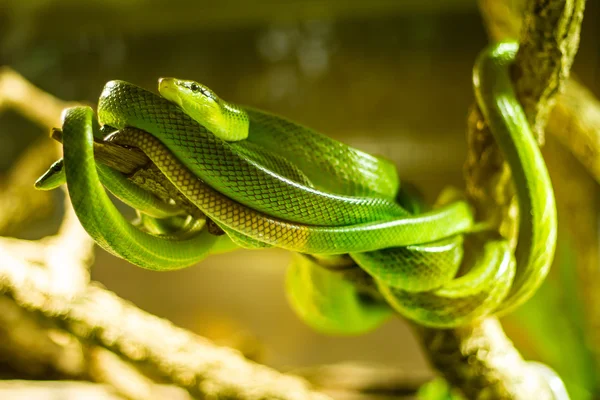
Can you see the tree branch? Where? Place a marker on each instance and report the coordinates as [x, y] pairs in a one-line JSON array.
[[93, 315], [575, 120], [548, 43], [139, 169]]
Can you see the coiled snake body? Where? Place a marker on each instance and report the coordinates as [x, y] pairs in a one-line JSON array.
[[266, 181]]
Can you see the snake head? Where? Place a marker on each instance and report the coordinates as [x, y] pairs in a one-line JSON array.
[[224, 120], [194, 98], [181, 87]]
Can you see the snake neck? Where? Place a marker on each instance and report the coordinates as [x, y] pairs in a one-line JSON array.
[[235, 119]]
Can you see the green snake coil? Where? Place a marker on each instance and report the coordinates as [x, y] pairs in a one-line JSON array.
[[266, 181]]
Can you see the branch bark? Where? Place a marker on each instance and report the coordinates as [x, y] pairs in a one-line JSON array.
[[93, 316]]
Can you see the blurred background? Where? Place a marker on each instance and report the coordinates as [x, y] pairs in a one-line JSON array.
[[389, 77]]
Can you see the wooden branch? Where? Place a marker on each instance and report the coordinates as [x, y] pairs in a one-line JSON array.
[[125, 160], [180, 357], [548, 43], [140, 170]]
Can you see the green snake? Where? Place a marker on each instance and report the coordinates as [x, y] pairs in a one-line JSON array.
[[266, 181]]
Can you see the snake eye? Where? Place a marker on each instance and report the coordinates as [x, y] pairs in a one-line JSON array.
[[194, 87]]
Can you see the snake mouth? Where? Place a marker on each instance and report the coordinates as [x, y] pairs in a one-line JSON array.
[[166, 83], [167, 87]]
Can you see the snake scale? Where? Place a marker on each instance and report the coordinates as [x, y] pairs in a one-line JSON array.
[[266, 181]]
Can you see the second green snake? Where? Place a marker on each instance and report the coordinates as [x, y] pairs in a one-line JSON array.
[[267, 181]]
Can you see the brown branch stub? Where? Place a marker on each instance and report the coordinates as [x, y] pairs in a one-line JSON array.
[[140, 170], [124, 160], [117, 157]]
